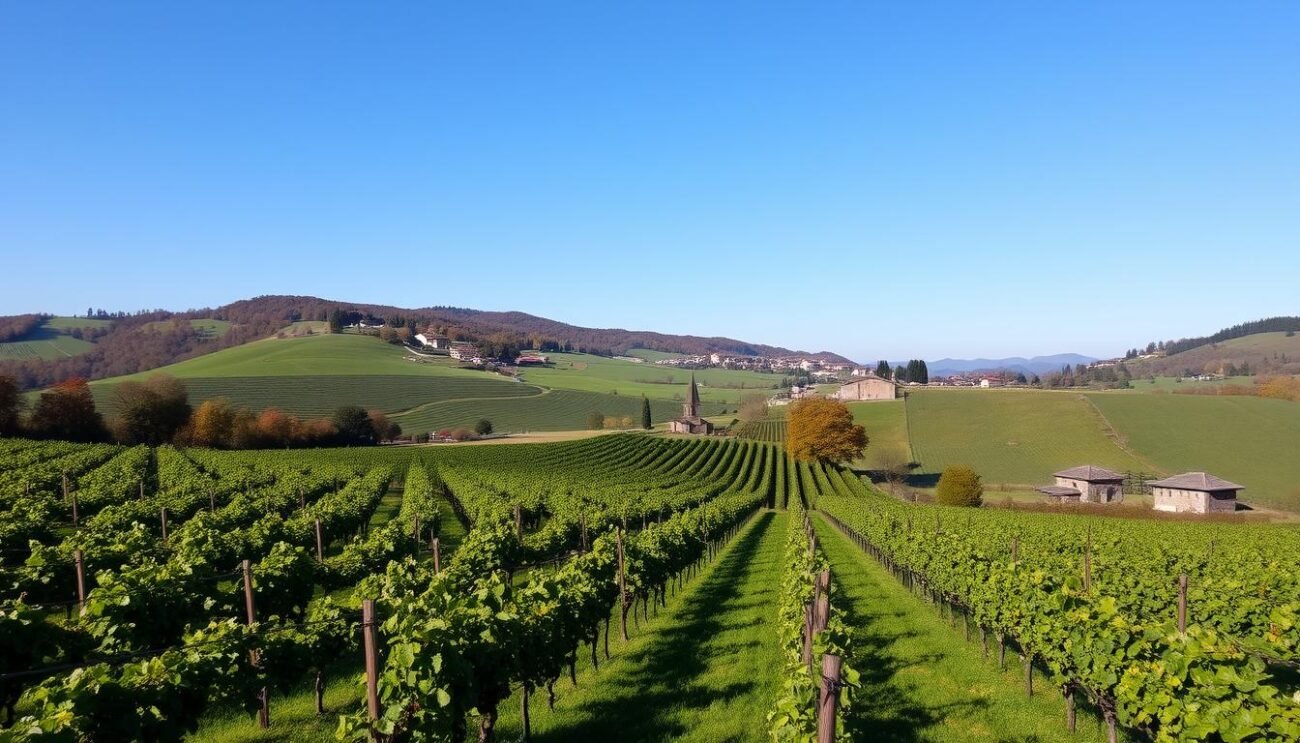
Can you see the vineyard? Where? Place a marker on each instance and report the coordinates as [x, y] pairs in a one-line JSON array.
[[508, 591]]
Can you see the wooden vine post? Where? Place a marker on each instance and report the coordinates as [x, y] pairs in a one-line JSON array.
[[370, 640], [76, 515], [1182, 603], [264, 708], [828, 698], [79, 561], [437, 556], [622, 588], [519, 521], [212, 501], [162, 518], [320, 542]]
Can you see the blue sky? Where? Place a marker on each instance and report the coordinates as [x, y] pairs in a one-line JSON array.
[[883, 180]]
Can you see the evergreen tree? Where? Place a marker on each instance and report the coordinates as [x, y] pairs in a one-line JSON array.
[[646, 423], [925, 372], [882, 370], [900, 374]]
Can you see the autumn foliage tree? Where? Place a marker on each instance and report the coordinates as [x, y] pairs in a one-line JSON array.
[[822, 429]]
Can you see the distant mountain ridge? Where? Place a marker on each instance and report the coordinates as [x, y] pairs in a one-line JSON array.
[[1017, 364]]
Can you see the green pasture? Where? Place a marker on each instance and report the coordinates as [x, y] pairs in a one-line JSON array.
[[1251, 441], [886, 425], [587, 373], [309, 356], [1011, 436], [653, 356], [557, 410], [68, 323], [47, 346], [51, 341], [320, 396]]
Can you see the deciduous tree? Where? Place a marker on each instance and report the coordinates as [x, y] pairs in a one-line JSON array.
[[959, 485], [822, 429], [212, 423], [353, 425], [151, 412], [67, 411], [11, 406]]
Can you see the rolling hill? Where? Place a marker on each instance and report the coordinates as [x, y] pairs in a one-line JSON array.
[[132, 343], [1273, 353], [312, 375]]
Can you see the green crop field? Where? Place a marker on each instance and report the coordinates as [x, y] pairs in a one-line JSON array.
[[1251, 441], [51, 341], [46, 346], [886, 424], [557, 410], [1011, 436], [317, 355], [322, 395], [588, 373]]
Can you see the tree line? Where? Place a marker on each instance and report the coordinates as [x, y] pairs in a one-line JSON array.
[[1284, 324], [158, 411], [914, 371]]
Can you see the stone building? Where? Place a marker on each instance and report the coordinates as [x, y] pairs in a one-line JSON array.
[[691, 422], [1194, 492], [868, 387], [1086, 484]]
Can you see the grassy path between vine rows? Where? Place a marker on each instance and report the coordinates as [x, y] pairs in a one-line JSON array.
[[706, 669], [920, 680]]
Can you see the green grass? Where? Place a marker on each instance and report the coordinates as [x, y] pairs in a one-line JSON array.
[[50, 340], [317, 355], [886, 424], [68, 323], [587, 373], [920, 680], [1171, 384], [47, 346], [557, 410], [653, 356], [1251, 441], [1012, 436], [707, 669], [322, 395]]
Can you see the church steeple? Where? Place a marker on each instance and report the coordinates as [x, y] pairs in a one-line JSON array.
[[691, 408]]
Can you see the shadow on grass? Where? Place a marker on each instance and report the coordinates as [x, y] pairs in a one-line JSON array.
[[887, 708], [665, 675]]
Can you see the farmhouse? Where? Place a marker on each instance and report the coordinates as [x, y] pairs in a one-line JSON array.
[[531, 359], [691, 422], [868, 387], [1086, 484], [1194, 492], [429, 339]]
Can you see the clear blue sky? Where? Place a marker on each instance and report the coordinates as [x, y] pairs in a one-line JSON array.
[[895, 180]]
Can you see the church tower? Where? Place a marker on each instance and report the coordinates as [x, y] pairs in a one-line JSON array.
[[691, 408]]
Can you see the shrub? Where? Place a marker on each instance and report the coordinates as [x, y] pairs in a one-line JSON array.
[[959, 485]]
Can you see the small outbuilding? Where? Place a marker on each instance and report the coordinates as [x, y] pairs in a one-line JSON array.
[[1194, 492], [1086, 484], [868, 387]]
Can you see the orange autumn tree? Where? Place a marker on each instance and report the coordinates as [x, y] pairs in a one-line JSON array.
[[822, 429]]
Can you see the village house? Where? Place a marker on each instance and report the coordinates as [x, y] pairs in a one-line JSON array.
[[1194, 492], [531, 359], [430, 339], [691, 422], [1086, 484], [869, 387]]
